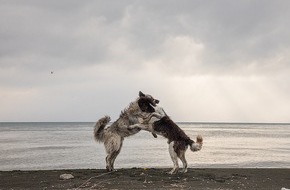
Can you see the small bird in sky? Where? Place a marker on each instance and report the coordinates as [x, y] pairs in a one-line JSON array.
[[51, 72]]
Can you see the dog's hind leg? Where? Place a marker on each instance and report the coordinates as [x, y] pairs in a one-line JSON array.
[[181, 156], [110, 159], [108, 165], [115, 154], [113, 147], [173, 156]]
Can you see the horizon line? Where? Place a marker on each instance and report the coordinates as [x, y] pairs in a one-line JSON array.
[[181, 122]]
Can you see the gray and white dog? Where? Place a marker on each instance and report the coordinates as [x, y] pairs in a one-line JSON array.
[[113, 135]]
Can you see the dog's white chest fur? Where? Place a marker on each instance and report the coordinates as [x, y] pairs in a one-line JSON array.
[[160, 111]]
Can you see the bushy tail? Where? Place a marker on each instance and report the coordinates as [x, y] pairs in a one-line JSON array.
[[196, 146], [99, 128]]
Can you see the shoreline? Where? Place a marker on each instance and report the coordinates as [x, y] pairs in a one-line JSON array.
[[149, 178]]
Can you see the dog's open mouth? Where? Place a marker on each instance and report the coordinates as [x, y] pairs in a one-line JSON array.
[[154, 102]]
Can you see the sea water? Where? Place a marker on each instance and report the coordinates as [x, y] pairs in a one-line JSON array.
[[42, 146]]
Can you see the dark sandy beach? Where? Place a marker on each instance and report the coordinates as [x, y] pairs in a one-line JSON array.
[[140, 178]]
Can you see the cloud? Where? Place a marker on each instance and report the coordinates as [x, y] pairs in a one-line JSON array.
[[226, 57]]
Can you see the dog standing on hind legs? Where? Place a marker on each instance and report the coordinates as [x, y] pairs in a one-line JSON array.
[[113, 135], [160, 123]]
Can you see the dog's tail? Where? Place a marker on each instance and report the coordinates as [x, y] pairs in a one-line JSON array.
[[196, 146], [99, 128]]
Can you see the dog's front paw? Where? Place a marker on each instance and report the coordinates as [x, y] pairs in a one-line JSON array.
[[136, 126], [140, 120]]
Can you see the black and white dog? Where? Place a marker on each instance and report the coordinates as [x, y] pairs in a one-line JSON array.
[[160, 123], [113, 135]]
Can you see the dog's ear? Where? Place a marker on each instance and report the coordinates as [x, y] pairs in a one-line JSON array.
[[141, 94]]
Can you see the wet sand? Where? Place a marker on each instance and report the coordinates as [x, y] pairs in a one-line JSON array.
[[140, 178]]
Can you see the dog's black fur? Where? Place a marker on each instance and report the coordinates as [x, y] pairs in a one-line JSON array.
[[178, 141], [172, 132]]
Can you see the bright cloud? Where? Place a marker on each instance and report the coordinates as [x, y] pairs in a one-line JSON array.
[[206, 61]]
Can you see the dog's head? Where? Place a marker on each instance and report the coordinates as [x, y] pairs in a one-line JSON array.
[[146, 102]]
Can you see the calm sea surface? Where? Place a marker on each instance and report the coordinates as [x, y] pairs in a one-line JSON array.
[[33, 146]]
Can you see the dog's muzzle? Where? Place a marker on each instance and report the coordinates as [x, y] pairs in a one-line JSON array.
[[156, 101]]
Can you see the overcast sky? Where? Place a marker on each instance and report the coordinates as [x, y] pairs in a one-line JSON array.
[[206, 61]]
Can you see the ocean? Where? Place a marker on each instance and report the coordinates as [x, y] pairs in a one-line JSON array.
[[44, 146]]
